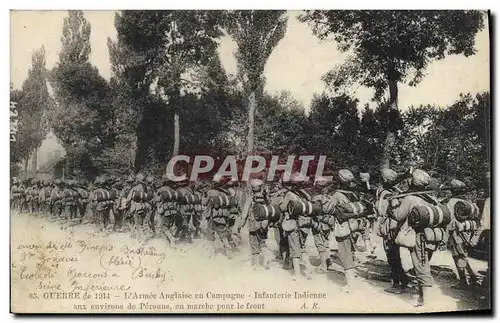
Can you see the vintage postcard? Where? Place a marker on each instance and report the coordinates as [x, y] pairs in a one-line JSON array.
[[210, 161]]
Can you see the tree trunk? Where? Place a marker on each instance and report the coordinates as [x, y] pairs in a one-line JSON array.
[[393, 105], [133, 150], [176, 134], [252, 103], [26, 168], [34, 161]]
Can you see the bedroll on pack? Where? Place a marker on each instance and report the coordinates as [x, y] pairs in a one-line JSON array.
[[83, 193], [189, 199], [351, 210], [465, 226], [465, 210], [329, 208], [139, 196], [70, 194], [429, 216], [168, 195], [18, 190], [266, 212], [301, 207], [434, 234], [102, 195], [222, 202]]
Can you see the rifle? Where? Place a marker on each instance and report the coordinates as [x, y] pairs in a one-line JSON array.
[[410, 193]]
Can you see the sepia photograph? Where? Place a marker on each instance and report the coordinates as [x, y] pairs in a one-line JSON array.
[[250, 161]]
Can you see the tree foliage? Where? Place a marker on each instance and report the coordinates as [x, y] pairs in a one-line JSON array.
[[160, 57], [82, 116], [388, 47], [33, 101], [256, 33], [393, 45]]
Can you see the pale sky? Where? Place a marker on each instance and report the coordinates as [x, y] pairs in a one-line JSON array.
[[296, 64]]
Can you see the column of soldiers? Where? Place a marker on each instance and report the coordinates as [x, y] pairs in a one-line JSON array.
[[404, 211]]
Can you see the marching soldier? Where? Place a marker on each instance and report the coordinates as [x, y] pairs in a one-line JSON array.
[[258, 226], [186, 210], [276, 195], [388, 230], [70, 200], [25, 207], [322, 224], [414, 238], [199, 208], [104, 201], [234, 211], [44, 196], [218, 219], [122, 207], [461, 228], [367, 195], [16, 194], [32, 196], [297, 226], [166, 208], [56, 195], [342, 231], [137, 198], [93, 186], [83, 199]]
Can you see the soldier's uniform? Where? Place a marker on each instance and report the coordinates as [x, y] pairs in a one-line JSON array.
[[258, 228], [92, 200], [296, 228], [198, 211], [25, 202], [218, 223], [70, 201], [32, 196], [44, 196], [137, 197], [16, 194], [341, 230], [56, 203], [460, 232], [166, 208], [388, 229], [122, 208], [322, 224], [104, 201], [186, 210], [83, 200], [234, 211], [276, 197], [420, 251]]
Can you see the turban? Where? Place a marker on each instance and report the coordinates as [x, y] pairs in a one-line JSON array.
[[389, 175], [346, 176], [455, 183], [421, 178], [321, 181]]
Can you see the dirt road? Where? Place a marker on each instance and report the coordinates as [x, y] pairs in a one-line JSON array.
[[76, 269]]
